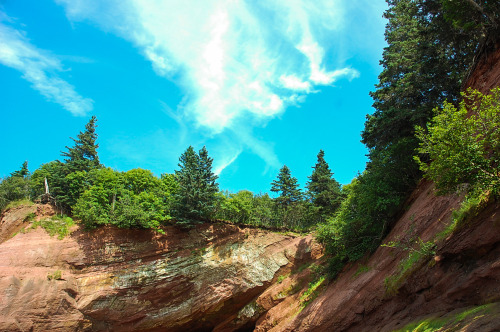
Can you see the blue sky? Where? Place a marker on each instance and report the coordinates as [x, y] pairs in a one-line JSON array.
[[260, 83]]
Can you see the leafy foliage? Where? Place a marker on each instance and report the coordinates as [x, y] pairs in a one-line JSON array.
[[23, 171], [15, 187], [134, 199], [424, 64], [464, 150], [262, 211], [55, 225], [69, 179]]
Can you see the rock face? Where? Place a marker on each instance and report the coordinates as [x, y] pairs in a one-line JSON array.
[[465, 272], [209, 277]]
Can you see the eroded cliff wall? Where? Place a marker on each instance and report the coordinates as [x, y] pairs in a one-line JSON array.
[[459, 286], [209, 277]]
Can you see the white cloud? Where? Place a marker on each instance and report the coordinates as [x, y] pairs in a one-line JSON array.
[[235, 59], [294, 83], [225, 160], [39, 68], [226, 51]]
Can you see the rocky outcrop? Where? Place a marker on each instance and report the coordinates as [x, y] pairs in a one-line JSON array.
[[459, 286], [465, 272], [109, 279]]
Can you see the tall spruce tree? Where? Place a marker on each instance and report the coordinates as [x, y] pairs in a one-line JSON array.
[[83, 155], [323, 189], [196, 196], [287, 187], [23, 171], [209, 186]]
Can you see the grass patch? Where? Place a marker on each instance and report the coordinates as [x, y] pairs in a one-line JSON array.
[[57, 275], [290, 290], [55, 225], [282, 277], [14, 204], [312, 291], [30, 217], [302, 268], [472, 204], [361, 269], [451, 322], [415, 259]]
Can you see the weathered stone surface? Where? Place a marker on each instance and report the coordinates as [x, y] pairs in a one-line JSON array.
[[466, 274], [136, 280]]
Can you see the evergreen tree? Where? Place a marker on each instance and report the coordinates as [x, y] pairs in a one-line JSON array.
[[287, 187], [424, 64], [22, 172], [209, 186], [196, 195], [324, 190], [15, 187], [83, 156]]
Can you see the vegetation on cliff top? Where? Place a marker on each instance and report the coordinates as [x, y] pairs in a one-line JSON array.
[[81, 186], [431, 45]]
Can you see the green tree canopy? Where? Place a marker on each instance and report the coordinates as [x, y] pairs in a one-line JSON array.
[[133, 199], [83, 155], [287, 187], [324, 190], [464, 149], [23, 171], [195, 198]]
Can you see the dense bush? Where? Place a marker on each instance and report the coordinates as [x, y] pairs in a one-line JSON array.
[[15, 187], [133, 199], [464, 150], [262, 211]]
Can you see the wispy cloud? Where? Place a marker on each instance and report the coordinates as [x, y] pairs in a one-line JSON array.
[[39, 68], [235, 59]]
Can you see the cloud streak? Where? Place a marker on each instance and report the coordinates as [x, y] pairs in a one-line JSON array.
[[234, 57], [39, 68], [238, 61]]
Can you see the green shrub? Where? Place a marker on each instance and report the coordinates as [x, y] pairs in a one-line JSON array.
[[361, 269], [134, 199], [282, 277], [472, 204], [55, 225], [57, 275], [14, 191], [313, 290], [464, 150], [416, 258]]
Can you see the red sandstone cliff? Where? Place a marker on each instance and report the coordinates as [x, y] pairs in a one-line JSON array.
[[223, 278], [451, 287], [134, 280]]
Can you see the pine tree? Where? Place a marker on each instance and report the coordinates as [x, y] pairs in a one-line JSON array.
[[324, 190], [287, 187], [208, 184], [83, 156], [196, 195], [23, 171]]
